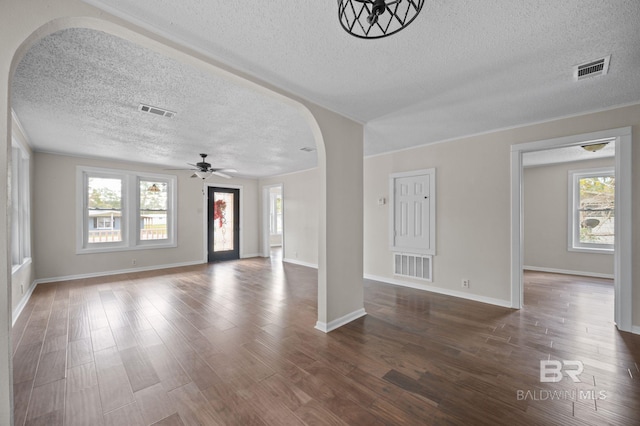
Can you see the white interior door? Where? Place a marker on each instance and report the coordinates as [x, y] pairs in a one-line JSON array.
[[412, 211]]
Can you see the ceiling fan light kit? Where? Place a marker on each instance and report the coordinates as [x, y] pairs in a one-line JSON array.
[[202, 174], [372, 19]]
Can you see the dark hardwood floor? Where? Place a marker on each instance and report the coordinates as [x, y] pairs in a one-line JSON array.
[[233, 343]]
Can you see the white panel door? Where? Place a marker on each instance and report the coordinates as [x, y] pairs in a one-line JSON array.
[[412, 209]]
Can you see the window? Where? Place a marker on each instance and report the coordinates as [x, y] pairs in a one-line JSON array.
[[125, 210], [20, 213], [592, 218], [275, 215], [153, 209], [103, 222], [104, 204]]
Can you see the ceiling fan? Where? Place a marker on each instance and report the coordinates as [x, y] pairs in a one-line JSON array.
[[203, 170]]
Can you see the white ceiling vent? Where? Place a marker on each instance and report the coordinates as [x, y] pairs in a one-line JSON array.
[[591, 69], [155, 110]]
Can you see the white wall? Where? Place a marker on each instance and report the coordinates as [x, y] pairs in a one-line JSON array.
[[473, 203], [472, 216], [473, 207], [546, 206], [470, 244], [54, 211], [300, 198]]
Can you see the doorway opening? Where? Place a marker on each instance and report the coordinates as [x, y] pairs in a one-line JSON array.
[[568, 231], [273, 222], [623, 222], [223, 224]]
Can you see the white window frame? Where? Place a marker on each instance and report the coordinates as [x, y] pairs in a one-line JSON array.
[[129, 221], [170, 180], [99, 219], [21, 206], [574, 243]]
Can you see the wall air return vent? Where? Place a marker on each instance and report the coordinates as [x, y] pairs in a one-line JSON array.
[[155, 110], [591, 69], [412, 265]]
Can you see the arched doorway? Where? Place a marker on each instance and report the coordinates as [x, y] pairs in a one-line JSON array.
[[338, 139]]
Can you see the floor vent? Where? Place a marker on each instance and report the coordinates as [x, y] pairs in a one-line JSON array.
[[412, 265], [157, 111], [591, 69]]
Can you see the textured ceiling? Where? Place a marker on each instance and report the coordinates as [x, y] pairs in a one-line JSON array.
[[462, 68], [77, 92]]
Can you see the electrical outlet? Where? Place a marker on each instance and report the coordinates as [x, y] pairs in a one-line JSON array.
[[134, 262], [465, 283]]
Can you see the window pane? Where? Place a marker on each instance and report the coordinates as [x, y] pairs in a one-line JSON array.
[[596, 209], [275, 215], [153, 210], [104, 205], [16, 257], [278, 215], [223, 214], [25, 209]]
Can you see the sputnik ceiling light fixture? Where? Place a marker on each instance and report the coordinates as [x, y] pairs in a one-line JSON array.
[[377, 18]]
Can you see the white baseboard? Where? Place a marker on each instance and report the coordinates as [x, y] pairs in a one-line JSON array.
[[247, 256], [635, 329], [567, 272], [301, 263], [23, 302], [117, 272], [440, 290], [339, 322]]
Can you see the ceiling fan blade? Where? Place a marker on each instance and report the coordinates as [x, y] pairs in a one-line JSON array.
[[225, 170], [217, 173]]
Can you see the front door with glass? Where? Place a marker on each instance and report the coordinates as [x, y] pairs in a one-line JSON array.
[[224, 224]]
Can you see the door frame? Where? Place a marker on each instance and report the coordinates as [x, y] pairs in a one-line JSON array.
[[205, 216], [266, 237], [623, 309]]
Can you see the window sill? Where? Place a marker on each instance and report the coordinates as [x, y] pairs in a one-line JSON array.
[[17, 268], [591, 250], [94, 250]]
